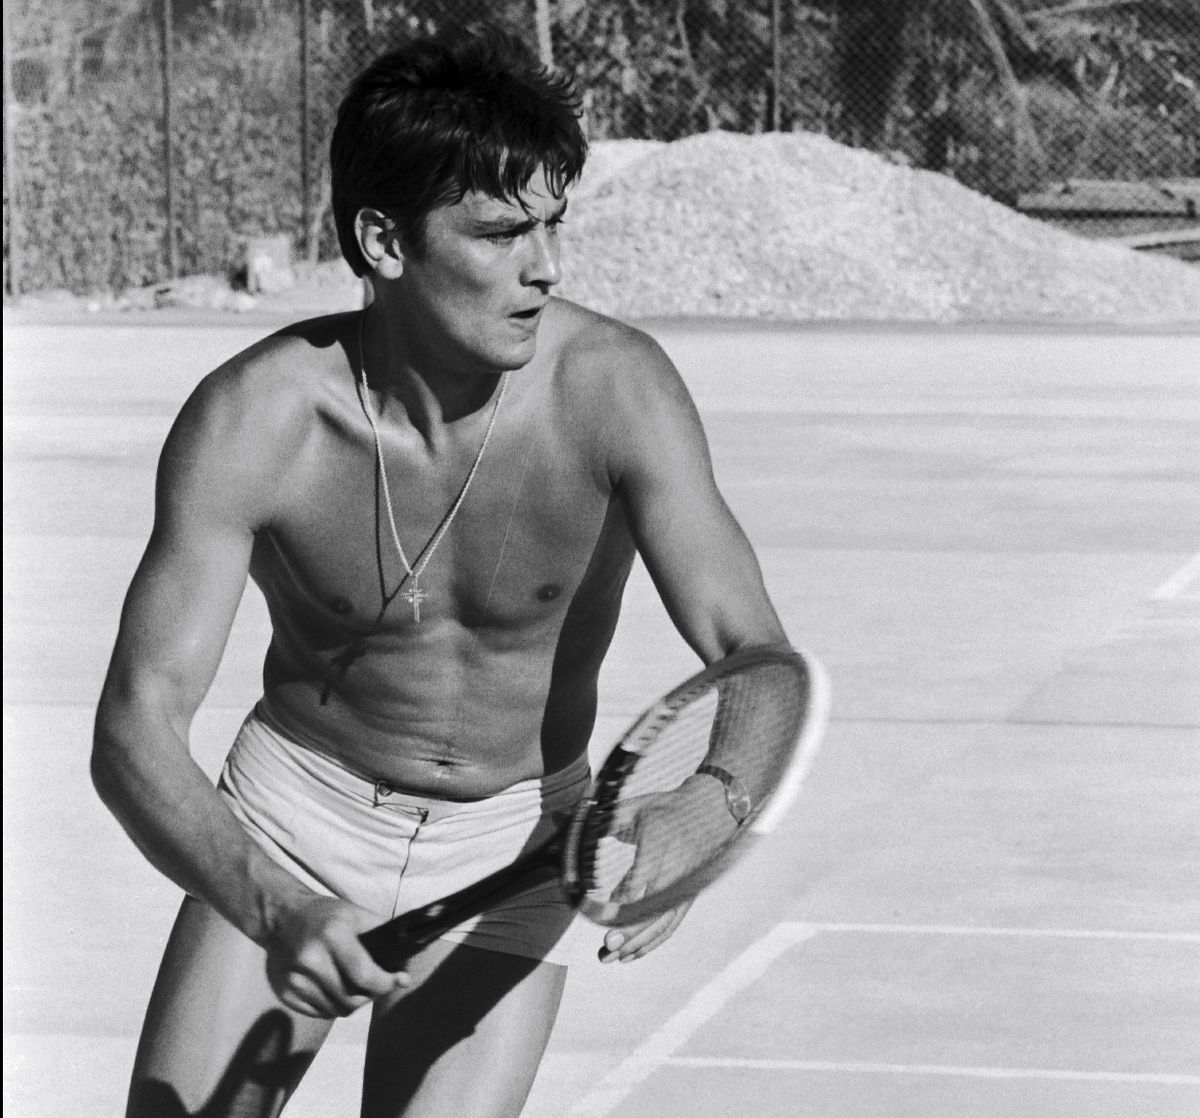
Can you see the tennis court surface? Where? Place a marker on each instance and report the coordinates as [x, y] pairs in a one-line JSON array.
[[985, 903]]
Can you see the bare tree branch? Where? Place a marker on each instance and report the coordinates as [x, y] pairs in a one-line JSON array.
[[1082, 7], [1027, 137]]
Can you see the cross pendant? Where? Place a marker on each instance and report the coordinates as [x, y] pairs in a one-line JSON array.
[[414, 595]]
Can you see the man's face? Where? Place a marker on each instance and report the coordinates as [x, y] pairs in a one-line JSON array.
[[478, 284]]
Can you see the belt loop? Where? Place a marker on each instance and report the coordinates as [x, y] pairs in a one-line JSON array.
[[387, 795]]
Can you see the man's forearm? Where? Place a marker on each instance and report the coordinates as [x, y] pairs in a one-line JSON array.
[[147, 778], [744, 718]]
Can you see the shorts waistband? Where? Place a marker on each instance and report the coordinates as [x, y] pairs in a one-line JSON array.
[[257, 731]]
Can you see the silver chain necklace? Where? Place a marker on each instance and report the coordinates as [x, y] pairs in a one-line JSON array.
[[414, 595]]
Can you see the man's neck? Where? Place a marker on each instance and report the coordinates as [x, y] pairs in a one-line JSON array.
[[416, 388]]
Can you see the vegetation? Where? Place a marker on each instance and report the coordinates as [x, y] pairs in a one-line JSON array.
[[1001, 94]]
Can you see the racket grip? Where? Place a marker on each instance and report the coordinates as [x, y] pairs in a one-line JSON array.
[[390, 946]]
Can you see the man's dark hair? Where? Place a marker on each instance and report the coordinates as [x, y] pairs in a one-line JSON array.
[[467, 109]]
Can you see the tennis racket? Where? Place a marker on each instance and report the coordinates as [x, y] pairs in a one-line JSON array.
[[706, 771]]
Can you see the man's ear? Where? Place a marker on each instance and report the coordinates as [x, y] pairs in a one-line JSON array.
[[379, 242]]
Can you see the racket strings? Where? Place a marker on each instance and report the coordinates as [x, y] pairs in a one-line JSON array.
[[654, 823]]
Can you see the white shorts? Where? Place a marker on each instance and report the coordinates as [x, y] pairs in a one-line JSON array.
[[389, 852]]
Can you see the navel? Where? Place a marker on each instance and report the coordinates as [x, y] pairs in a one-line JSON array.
[[340, 605], [548, 592]]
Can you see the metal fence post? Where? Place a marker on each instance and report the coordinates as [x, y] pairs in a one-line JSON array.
[[168, 60], [541, 15], [776, 65], [11, 173], [305, 153]]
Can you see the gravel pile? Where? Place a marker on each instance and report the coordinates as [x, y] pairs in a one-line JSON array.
[[796, 226], [793, 227]]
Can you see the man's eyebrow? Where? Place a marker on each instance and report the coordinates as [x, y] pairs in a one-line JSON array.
[[514, 224], [505, 223]]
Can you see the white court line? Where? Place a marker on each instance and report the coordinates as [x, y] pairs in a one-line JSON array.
[[673, 1034], [1175, 586], [747, 967], [968, 930], [935, 1069], [659, 1049]]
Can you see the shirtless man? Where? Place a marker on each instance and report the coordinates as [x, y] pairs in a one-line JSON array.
[[441, 498]]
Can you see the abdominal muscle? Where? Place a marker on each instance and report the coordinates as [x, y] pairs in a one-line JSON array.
[[437, 713]]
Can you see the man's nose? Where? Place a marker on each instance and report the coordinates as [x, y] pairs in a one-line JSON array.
[[543, 267]]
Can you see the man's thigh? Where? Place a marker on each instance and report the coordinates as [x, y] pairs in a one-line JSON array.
[[467, 1039], [216, 1040]]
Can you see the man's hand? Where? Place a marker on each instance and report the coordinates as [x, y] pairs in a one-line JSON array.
[[316, 964], [670, 834], [623, 945]]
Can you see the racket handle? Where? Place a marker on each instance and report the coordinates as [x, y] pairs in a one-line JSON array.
[[393, 943], [390, 946]]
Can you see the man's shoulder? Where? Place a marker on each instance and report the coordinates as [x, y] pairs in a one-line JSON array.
[[290, 363], [622, 392], [279, 378], [598, 348], [264, 401]]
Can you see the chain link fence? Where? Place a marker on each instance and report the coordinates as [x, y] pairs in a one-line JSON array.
[[151, 138]]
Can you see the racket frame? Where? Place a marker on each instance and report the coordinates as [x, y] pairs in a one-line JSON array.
[[763, 818]]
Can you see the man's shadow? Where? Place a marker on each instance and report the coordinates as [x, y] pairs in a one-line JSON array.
[[264, 1071], [261, 1075]]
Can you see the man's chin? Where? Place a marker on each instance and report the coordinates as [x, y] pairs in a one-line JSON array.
[[497, 348], [516, 356]]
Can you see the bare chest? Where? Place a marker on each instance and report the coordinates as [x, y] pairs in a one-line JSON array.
[[507, 552]]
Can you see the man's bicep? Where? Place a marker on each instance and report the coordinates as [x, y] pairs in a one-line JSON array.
[[698, 555], [703, 566], [178, 614], [183, 598]]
